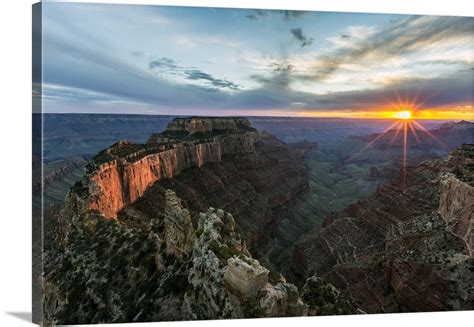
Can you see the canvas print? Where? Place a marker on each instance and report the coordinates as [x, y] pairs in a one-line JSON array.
[[205, 163]]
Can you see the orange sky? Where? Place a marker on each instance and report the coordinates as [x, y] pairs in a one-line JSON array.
[[458, 113]]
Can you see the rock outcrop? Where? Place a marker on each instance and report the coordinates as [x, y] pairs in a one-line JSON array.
[[251, 185], [208, 124], [456, 204], [226, 282], [165, 269], [122, 173], [393, 251], [179, 232]]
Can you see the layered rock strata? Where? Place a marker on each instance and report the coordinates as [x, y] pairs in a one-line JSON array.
[[405, 248], [219, 162], [250, 185], [122, 173]]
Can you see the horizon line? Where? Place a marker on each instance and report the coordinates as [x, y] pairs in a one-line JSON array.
[[253, 116]]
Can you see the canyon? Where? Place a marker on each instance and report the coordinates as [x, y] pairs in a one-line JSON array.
[[407, 247], [209, 219], [229, 165]]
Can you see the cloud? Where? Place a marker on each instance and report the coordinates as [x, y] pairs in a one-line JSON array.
[[401, 37], [299, 35], [279, 78], [195, 74], [86, 71], [427, 93], [286, 15], [168, 66], [275, 88], [163, 63]]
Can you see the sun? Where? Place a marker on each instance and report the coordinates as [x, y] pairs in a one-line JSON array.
[[405, 114]]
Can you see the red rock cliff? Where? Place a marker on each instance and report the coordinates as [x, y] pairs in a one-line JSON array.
[[121, 174]]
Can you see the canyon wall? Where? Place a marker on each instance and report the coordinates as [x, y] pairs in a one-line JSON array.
[[250, 185], [456, 205], [408, 247], [122, 179]]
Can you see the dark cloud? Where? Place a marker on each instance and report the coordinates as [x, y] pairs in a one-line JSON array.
[[345, 36], [169, 66], [429, 93], [280, 77], [287, 15], [195, 75], [302, 39], [401, 37], [163, 63], [276, 88]]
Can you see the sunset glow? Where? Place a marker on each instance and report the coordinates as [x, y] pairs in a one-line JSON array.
[[463, 113], [406, 114], [405, 124]]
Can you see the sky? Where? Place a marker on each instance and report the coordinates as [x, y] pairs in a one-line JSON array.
[[102, 58]]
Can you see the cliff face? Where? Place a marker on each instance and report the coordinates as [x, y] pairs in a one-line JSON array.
[[227, 164], [456, 205], [251, 185], [121, 174], [393, 251]]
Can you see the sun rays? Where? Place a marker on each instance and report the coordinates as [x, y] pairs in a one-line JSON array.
[[405, 126]]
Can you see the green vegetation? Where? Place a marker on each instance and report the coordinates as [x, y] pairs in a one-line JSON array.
[[324, 299], [222, 251], [105, 273]]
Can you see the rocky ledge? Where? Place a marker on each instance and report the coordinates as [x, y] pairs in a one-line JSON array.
[[105, 271]]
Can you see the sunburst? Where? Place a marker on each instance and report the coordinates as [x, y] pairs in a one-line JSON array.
[[405, 124], [404, 114]]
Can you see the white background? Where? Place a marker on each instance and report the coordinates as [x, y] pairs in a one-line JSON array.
[[15, 161]]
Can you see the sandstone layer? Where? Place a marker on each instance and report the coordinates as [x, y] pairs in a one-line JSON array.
[[251, 185], [122, 173]]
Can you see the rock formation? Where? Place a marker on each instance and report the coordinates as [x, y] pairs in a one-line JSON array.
[[456, 205], [122, 173], [393, 251], [208, 124], [226, 282], [227, 165], [179, 232], [161, 257], [165, 269]]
